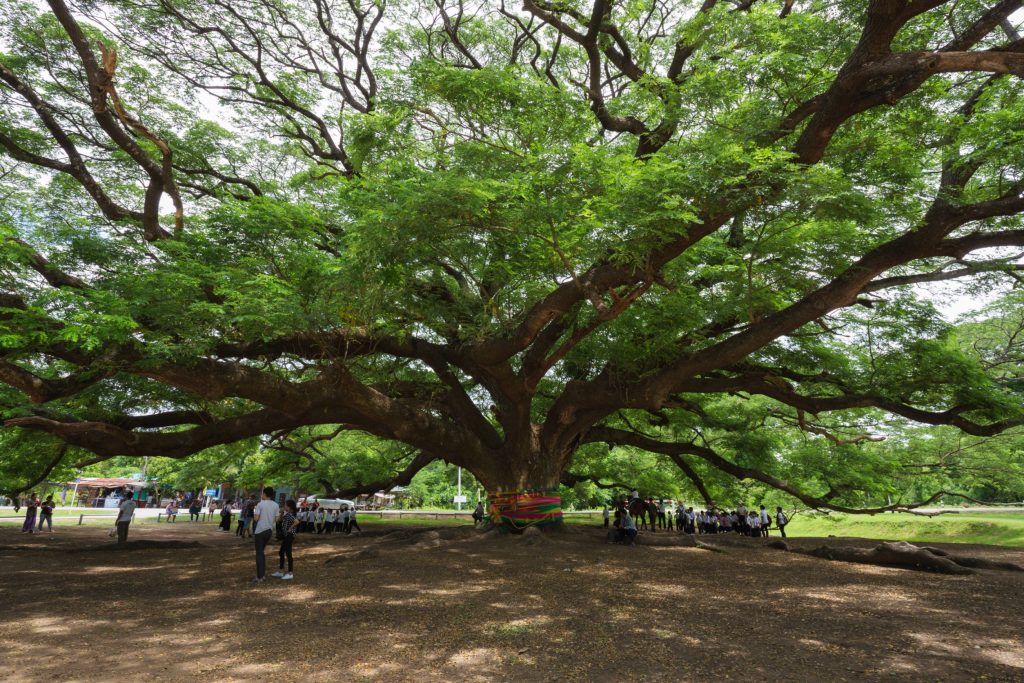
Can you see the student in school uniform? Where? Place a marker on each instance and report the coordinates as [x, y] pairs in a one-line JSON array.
[[781, 521], [321, 520], [766, 521], [753, 524], [346, 520]]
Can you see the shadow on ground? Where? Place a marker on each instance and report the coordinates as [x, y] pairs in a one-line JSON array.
[[493, 609]]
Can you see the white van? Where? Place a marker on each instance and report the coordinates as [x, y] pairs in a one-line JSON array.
[[330, 503]]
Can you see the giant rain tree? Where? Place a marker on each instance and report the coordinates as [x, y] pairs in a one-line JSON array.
[[501, 235]]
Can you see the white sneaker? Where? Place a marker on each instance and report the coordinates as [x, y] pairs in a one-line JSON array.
[[277, 575], [288, 577]]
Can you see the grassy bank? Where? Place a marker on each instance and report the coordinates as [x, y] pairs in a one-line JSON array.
[[995, 528]]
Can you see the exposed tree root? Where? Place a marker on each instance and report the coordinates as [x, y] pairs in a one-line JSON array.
[[138, 545], [902, 554]]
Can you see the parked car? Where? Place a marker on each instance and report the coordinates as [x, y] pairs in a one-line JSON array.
[[329, 503]]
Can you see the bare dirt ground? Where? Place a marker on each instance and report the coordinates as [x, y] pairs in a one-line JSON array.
[[491, 609]]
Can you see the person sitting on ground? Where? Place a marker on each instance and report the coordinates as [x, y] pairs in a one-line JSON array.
[[627, 529]]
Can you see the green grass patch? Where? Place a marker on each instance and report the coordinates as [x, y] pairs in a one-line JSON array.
[[993, 528]]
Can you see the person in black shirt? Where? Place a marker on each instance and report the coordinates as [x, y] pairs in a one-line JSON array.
[[289, 523], [46, 514]]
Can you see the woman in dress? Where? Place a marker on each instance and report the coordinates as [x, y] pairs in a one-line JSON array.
[[30, 514]]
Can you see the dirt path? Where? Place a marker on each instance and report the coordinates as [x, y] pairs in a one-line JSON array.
[[492, 609]]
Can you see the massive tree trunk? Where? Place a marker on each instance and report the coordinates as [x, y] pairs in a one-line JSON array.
[[522, 488]]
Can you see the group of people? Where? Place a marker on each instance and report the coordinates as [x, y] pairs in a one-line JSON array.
[[33, 508], [741, 521], [709, 521], [319, 520]]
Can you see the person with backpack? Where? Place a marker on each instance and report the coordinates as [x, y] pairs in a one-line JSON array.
[[287, 526], [781, 521]]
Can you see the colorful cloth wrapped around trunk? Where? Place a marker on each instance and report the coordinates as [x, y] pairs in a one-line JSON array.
[[520, 509]]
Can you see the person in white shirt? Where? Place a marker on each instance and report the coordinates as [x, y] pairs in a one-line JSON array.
[[321, 520], [753, 524], [766, 521], [627, 528], [124, 517], [781, 521], [265, 517]]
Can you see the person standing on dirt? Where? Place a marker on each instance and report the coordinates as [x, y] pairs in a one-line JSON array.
[[124, 517], [225, 516], [781, 521], [605, 514], [31, 505], [195, 508], [289, 523], [265, 516], [352, 523], [766, 521], [753, 524], [46, 514], [478, 513]]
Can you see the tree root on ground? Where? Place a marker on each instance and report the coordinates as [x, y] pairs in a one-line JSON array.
[[139, 545], [902, 554]]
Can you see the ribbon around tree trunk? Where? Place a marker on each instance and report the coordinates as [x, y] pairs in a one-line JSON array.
[[520, 509]]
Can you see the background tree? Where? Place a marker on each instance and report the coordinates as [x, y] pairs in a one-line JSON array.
[[502, 236]]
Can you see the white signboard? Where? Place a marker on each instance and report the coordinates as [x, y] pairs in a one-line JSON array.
[[461, 499]]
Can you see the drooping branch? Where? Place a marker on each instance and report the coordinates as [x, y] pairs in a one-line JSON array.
[[62, 450], [620, 437], [403, 478]]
